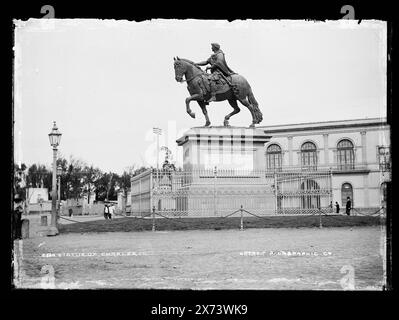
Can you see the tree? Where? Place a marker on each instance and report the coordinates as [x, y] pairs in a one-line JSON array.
[[22, 168], [90, 176], [106, 186], [78, 178], [74, 177], [61, 161], [123, 182], [39, 176]]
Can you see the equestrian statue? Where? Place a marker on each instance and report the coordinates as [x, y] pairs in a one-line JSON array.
[[221, 84]]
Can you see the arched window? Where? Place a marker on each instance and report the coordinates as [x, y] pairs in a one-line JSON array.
[[309, 156], [274, 157], [345, 155], [346, 191]]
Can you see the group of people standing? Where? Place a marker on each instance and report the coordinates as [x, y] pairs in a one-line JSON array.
[[109, 210], [348, 206]]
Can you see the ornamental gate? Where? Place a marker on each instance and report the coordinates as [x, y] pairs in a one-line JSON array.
[[218, 193], [303, 192]]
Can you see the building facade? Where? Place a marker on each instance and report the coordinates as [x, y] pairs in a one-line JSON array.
[[272, 170], [356, 152]]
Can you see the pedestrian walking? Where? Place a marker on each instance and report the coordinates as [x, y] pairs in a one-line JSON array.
[[337, 207], [111, 211], [348, 206], [106, 211]]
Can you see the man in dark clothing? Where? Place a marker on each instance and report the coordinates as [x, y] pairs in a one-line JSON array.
[[218, 65], [217, 61], [337, 207], [348, 206], [106, 211], [16, 218]]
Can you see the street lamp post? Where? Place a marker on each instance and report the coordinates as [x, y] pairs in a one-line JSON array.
[[55, 138], [59, 172]]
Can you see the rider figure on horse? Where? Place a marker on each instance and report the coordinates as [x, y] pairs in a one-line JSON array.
[[217, 65]]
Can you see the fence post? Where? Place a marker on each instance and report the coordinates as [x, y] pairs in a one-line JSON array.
[[214, 190], [320, 224], [140, 197], [153, 218], [241, 222], [151, 191], [331, 190], [275, 193]]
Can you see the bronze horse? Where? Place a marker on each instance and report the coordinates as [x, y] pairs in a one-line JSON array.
[[240, 91]]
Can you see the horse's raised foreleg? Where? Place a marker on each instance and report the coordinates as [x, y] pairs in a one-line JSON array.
[[205, 112], [233, 103], [193, 97]]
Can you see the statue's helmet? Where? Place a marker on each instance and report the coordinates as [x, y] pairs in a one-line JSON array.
[[215, 45]]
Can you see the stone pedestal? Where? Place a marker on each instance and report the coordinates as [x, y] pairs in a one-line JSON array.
[[227, 148], [225, 169]]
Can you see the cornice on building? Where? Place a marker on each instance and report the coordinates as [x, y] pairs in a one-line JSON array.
[[325, 125]]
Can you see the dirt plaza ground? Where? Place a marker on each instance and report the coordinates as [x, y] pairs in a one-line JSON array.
[[267, 258]]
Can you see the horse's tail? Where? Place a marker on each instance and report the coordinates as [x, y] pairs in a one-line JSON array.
[[257, 113]]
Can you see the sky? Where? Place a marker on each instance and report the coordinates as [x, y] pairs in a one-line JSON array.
[[107, 83]]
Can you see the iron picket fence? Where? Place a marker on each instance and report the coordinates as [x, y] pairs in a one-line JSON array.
[[216, 193]]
